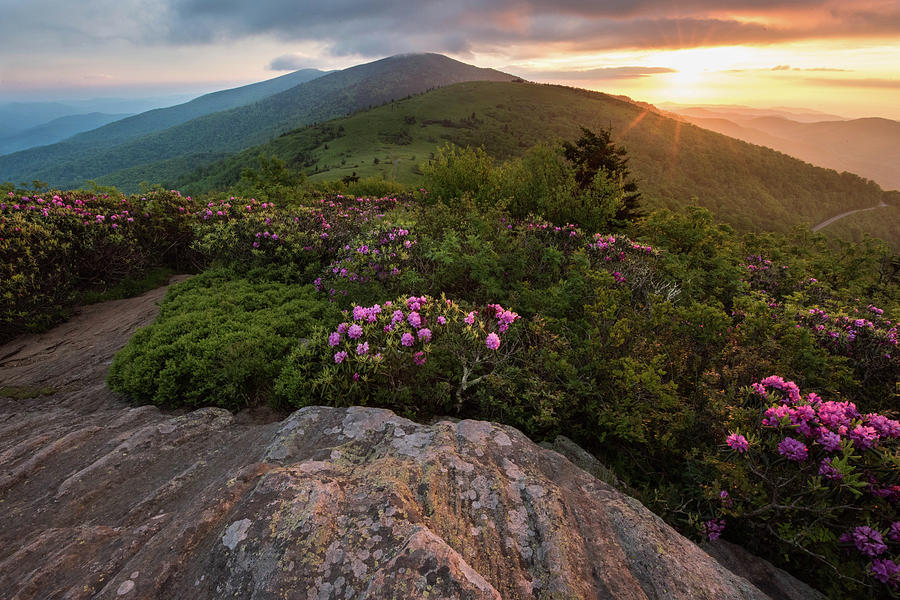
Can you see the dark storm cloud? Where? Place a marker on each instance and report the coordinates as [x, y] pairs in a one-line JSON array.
[[370, 28]]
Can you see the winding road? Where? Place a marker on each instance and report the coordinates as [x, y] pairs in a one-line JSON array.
[[828, 222]]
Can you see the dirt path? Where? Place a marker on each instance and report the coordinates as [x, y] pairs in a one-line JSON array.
[[60, 364], [828, 222]]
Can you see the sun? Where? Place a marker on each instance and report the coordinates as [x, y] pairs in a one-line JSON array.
[[696, 70]]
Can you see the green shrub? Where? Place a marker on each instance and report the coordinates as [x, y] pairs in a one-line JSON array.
[[219, 340], [55, 246]]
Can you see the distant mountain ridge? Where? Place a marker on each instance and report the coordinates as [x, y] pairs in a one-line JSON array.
[[85, 147], [869, 147], [56, 130], [183, 147]]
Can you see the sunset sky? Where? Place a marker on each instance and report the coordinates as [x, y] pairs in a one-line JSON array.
[[841, 57]]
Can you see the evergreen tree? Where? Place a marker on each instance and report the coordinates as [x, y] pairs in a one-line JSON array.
[[593, 154]]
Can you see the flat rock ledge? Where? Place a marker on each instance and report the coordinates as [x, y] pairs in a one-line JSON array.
[[331, 503]]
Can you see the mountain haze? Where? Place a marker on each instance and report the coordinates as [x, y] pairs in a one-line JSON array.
[[869, 147], [181, 148], [56, 130], [85, 147]]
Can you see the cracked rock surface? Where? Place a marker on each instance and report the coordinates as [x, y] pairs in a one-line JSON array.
[[99, 499]]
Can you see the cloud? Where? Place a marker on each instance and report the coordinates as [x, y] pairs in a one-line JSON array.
[[288, 62], [355, 27], [607, 73], [856, 83], [781, 68]]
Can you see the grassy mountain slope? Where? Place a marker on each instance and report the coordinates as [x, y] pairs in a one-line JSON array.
[[229, 131], [869, 147], [674, 162], [56, 130]]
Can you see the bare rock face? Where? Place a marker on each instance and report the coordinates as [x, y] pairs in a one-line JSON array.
[[333, 503], [102, 500]]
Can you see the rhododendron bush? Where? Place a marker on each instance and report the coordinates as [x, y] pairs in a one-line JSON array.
[[639, 344], [54, 246], [817, 479], [418, 354]]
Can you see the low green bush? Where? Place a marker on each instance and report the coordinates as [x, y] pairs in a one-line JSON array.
[[219, 340]]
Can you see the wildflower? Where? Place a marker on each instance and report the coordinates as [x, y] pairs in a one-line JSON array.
[[884, 426], [354, 332], [714, 528], [727, 502], [885, 571], [863, 436], [425, 335], [407, 339], [827, 470], [868, 541], [792, 449], [334, 339], [340, 356], [894, 532], [470, 318], [414, 319], [362, 349], [441, 321], [774, 415], [830, 441], [419, 358], [737, 442], [492, 341]]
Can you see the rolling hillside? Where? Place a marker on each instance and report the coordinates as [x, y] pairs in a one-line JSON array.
[[181, 148], [675, 163]]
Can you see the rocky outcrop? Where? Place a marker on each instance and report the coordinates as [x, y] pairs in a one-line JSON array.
[[102, 500]]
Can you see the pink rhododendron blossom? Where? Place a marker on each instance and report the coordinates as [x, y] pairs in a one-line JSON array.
[[492, 341], [827, 470], [792, 449], [868, 541], [737, 442], [863, 436], [714, 528], [354, 332]]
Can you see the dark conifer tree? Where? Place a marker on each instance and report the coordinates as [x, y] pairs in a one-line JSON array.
[[595, 152]]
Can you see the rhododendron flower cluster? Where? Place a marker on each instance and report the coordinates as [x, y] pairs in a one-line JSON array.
[[385, 339], [378, 255], [818, 464]]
